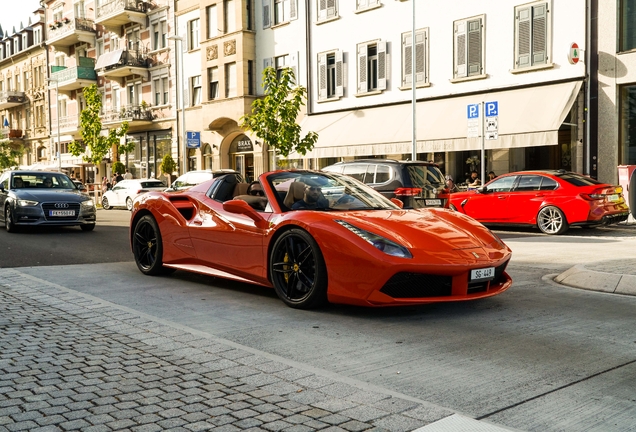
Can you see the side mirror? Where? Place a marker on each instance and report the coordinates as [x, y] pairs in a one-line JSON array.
[[482, 189], [1, 187], [82, 188], [397, 202], [241, 207]]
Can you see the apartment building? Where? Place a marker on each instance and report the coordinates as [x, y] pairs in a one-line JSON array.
[[23, 91]]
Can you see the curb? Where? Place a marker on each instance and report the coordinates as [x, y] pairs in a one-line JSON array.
[[580, 277]]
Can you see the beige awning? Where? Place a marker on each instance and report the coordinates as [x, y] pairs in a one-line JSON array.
[[108, 59], [527, 117]]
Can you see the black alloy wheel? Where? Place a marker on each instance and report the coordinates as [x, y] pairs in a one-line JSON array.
[[8, 220], [147, 247], [105, 204], [297, 269]]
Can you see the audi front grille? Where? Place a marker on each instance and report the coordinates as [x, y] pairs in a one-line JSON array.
[[47, 207]]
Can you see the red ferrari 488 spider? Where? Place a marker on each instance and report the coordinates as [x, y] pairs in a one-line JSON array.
[[318, 237]]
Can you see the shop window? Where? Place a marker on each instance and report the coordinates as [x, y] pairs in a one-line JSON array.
[[628, 125], [627, 29]]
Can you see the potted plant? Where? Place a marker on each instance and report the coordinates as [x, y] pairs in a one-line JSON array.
[[168, 166], [118, 167], [57, 23], [66, 20]]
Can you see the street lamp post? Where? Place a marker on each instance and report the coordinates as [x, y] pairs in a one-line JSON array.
[[180, 95], [413, 88], [57, 104]]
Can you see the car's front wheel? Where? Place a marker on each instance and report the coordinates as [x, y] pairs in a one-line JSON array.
[[8, 220], [148, 247], [297, 269], [105, 203], [551, 220], [129, 203], [87, 227]]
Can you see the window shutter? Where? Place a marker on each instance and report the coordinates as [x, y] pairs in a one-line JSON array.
[[322, 9], [361, 4], [293, 9], [339, 74], [267, 63], [539, 34], [331, 8], [474, 47], [267, 7], [362, 69], [420, 57], [293, 64], [407, 63], [460, 50], [322, 76], [523, 38], [382, 66]]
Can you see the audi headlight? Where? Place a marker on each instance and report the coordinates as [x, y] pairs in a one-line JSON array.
[[385, 245], [27, 203], [88, 203]]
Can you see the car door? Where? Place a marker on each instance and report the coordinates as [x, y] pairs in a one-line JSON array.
[[524, 201], [491, 205], [119, 193]]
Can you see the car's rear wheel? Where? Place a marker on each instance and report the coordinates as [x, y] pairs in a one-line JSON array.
[[8, 220], [551, 220], [297, 269], [105, 203], [87, 227], [129, 203], [148, 247]]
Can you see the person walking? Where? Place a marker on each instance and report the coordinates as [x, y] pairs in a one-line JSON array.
[[128, 175]]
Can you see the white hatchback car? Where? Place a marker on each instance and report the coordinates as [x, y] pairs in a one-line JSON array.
[[124, 193]]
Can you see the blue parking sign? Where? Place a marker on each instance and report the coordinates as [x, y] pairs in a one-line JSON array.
[[491, 109], [193, 139], [473, 111]]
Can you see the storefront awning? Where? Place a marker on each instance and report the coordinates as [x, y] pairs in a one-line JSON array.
[[108, 59], [527, 117]]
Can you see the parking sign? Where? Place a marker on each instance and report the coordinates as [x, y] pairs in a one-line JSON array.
[[473, 111], [193, 139], [492, 109]]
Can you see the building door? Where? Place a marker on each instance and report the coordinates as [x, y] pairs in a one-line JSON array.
[[242, 156]]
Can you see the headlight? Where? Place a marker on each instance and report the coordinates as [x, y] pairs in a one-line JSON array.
[[27, 203], [88, 203], [385, 245]]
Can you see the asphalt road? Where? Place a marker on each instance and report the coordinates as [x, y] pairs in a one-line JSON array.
[[539, 357]]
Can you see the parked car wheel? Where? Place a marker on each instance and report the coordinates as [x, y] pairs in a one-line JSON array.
[[551, 220], [129, 203], [148, 247], [298, 270], [105, 203], [8, 220], [87, 227]]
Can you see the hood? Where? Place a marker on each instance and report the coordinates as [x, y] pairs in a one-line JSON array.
[[45, 195]]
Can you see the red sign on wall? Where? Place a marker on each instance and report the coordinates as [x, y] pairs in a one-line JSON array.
[[574, 55]]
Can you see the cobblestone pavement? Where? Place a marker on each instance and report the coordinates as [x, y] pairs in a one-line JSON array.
[[69, 361]]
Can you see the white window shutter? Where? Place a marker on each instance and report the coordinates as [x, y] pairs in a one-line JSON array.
[[383, 65], [322, 76], [267, 19], [460, 50], [420, 57], [522, 38], [540, 34], [293, 9], [332, 8], [322, 9], [361, 4], [474, 47], [339, 74], [362, 69], [407, 63]]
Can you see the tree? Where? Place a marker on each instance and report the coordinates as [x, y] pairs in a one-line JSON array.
[[273, 118], [118, 167], [91, 128], [168, 166], [9, 155]]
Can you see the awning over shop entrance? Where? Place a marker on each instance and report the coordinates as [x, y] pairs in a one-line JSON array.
[[527, 117]]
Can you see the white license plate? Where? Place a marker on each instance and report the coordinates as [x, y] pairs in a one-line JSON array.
[[613, 198], [482, 274], [433, 202], [61, 212]]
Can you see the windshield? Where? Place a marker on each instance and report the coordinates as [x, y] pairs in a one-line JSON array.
[[425, 175], [41, 181], [309, 190]]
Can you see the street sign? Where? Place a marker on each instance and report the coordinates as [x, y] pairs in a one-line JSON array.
[[573, 55], [492, 109], [193, 139], [472, 112], [491, 126]]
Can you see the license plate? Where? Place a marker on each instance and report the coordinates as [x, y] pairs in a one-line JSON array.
[[613, 198], [433, 202], [61, 212], [482, 274]]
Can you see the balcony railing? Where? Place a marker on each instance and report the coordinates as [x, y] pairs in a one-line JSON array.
[[11, 98], [74, 73], [114, 6], [128, 113], [60, 28], [10, 133], [68, 123]]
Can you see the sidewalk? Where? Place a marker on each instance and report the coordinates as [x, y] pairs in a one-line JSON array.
[[70, 361]]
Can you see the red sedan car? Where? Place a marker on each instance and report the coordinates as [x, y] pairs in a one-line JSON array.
[[316, 237], [551, 200]]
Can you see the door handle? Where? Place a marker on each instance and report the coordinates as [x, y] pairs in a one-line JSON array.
[[501, 197], [540, 195]]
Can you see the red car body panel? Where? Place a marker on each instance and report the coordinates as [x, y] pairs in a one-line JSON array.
[[199, 235]]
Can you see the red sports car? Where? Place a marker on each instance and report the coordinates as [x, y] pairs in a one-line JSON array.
[[318, 237], [552, 200]]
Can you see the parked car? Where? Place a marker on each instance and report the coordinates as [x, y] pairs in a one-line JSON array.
[[29, 198], [417, 184], [124, 192], [552, 200], [355, 247], [193, 178]]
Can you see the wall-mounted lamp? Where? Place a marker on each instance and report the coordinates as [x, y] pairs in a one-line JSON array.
[[214, 146]]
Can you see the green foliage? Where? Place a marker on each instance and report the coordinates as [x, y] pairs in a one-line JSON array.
[[91, 128], [273, 118], [168, 165], [9, 155], [119, 167]]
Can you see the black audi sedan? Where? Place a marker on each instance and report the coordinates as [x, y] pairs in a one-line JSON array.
[[29, 198]]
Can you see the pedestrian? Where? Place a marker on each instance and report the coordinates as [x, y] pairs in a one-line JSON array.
[[128, 175], [119, 177], [491, 175], [105, 184]]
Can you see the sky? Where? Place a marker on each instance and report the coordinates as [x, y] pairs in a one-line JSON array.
[[18, 11]]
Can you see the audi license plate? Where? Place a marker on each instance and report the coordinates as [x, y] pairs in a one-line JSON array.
[[433, 202], [61, 212], [482, 274]]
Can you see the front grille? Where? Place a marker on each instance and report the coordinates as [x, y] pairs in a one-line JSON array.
[[46, 207], [417, 285], [477, 287]]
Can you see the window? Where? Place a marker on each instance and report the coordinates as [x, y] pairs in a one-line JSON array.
[[229, 16], [27, 80], [39, 116], [421, 58], [528, 183], [57, 13], [327, 9], [251, 78], [230, 80], [362, 5], [115, 98], [213, 83], [195, 90], [468, 47], [18, 84], [249, 15], [280, 63], [27, 118], [10, 84], [134, 93], [79, 9], [159, 35], [166, 90], [531, 35], [1, 52], [99, 48], [37, 36], [134, 39], [16, 45], [330, 75], [212, 21], [157, 85], [503, 184], [62, 111], [193, 31], [372, 67], [627, 29], [25, 41]]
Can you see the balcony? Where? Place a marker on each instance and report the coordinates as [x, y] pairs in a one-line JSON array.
[[11, 134], [69, 125], [115, 13], [135, 115], [119, 64], [10, 99], [68, 32], [76, 77]]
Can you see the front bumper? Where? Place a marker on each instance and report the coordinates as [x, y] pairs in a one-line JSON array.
[[36, 215]]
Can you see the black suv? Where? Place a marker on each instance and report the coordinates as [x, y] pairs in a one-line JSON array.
[[417, 184]]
